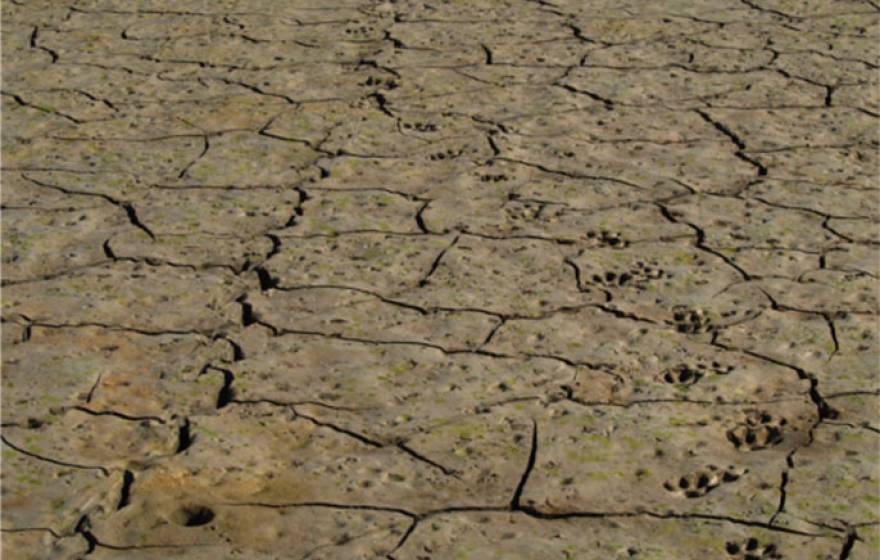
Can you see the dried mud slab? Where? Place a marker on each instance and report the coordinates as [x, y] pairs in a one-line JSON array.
[[364, 261], [855, 409], [41, 494], [188, 250], [845, 460], [105, 371], [37, 244], [507, 213], [101, 439], [132, 296], [635, 163], [223, 212], [730, 223], [334, 212], [53, 188], [645, 361], [354, 314], [670, 282], [40, 543], [243, 157], [683, 89], [472, 535], [830, 199], [22, 191], [613, 459], [273, 455], [188, 529], [853, 291], [806, 341], [152, 159], [475, 273], [389, 392]]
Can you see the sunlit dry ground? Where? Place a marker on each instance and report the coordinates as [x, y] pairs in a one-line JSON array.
[[534, 279]]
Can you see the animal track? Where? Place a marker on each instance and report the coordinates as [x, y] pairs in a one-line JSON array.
[[446, 154], [758, 431], [362, 30], [420, 127], [607, 239], [682, 375], [750, 549], [563, 153], [524, 210], [383, 83], [686, 374], [692, 321], [699, 483], [637, 277]]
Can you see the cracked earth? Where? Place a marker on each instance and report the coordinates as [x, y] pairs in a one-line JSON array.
[[535, 279]]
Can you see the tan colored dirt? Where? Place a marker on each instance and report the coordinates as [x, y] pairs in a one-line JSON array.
[[445, 279]]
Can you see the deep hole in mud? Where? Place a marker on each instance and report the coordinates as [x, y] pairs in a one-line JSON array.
[[193, 516]]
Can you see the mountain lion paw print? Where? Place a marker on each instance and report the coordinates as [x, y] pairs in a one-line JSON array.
[[637, 277], [750, 549], [758, 431], [682, 374], [445, 154], [699, 483], [691, 321], [606, 238], [688, 374]]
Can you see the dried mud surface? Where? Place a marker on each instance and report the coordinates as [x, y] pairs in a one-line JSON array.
[[535, 279]]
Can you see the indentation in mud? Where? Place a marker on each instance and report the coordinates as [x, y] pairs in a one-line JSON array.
[[750, 549], [682, 375], [758, 430], [690, 373], [699, 483], [605, 238], [691, 321], [380, 83], [192, 515], [637, 277], [445, 154]]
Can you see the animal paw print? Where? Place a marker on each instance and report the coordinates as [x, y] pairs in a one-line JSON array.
[[446, 154], [612, 279], [607, 239], [420, 127], [638, 276], [758, 431], [699, 483], [649, 271], [692, 321], [383, 83], [564, 153], [359, 31], [523, 210], [682, 374], [750, 549], [685, 374]]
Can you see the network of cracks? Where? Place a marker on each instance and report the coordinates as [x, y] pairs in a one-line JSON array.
[[447, 279]]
